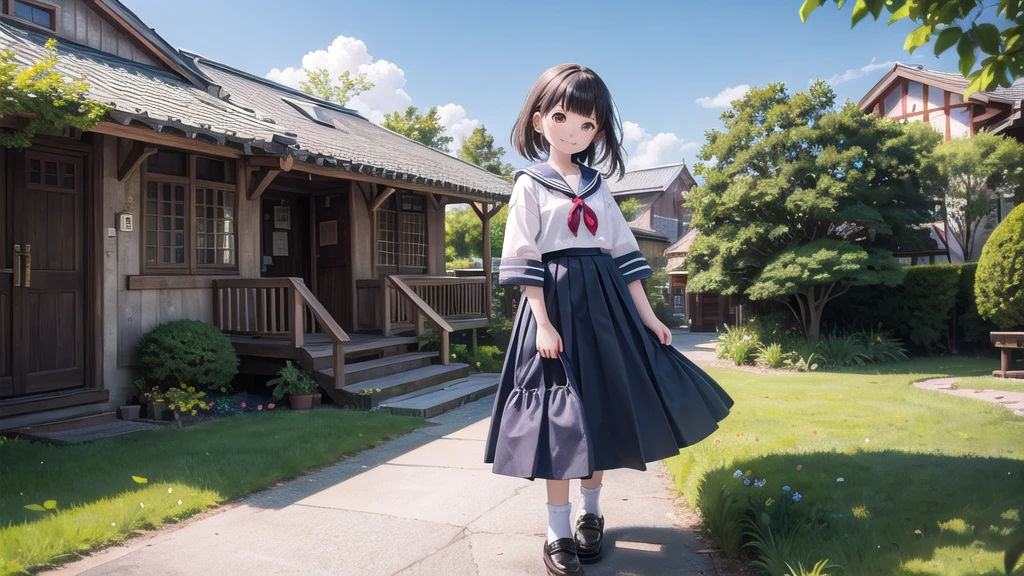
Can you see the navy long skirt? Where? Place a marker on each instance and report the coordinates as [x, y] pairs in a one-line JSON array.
[[615, 398]]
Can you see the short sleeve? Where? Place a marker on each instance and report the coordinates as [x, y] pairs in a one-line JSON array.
[[625, 249], [520, 257]]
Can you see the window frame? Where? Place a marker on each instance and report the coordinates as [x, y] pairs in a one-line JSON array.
[[398, 268], [191, 267], [53, 9]]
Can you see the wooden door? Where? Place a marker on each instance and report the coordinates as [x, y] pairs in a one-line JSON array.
[[6, 283], [48, 300], [333, 258]]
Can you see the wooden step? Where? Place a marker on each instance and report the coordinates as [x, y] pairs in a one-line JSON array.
[[401, 383], [441, 398], [356, 372], [318, 352]]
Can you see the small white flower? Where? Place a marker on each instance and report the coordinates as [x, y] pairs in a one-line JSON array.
[[169, 490], [746, 338], [866, 440], [113, 524], [179, 502], [840, 479], [141, 505]]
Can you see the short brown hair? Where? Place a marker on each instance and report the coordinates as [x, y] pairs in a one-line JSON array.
[[579, 90]]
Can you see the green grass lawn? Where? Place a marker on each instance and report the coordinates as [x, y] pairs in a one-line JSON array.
[[932, 483], [991, 383], [187, 470]]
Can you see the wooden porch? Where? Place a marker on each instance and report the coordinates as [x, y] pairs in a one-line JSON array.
[[270, 320]]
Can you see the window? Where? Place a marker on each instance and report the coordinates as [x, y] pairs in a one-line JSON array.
[[402, 232], [37, 12], [189, 208]]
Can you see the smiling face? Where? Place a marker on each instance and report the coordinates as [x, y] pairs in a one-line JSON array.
[[567, 132]]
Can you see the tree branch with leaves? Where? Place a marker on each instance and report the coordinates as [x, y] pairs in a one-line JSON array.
[[318, 83], [46, 99], [955, 23], [423, 128]]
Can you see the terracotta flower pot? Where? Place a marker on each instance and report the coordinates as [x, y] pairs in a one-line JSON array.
[[300, 401]]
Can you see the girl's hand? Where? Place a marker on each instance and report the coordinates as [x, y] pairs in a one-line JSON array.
[[659, 328], [549, 343]]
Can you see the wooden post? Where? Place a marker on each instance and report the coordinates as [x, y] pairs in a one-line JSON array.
[[385, 307], [296, 306], [339, 365], [472, 347], [445, 353], [487, 270]]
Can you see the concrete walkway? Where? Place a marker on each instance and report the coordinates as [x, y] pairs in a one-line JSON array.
[[1012, 401], [425, 504]]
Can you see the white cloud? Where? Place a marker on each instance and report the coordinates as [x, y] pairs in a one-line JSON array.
[[349, 54], [854, 73], [644, 149], [453, 118], [388, 93], [723, 98]]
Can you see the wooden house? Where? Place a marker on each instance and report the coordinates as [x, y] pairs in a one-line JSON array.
[[295, 225], [661, 191], [913, 93]]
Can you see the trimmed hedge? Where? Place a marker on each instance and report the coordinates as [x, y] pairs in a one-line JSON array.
[[1000, 284], [972, 330], [918, 311]]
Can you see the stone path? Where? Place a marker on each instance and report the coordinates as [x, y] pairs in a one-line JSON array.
[[1013, 401]]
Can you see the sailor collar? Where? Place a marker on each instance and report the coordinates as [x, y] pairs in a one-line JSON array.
[[590, 179]]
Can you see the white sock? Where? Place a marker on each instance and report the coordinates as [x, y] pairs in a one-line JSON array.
[[558, 522], [590, 500]]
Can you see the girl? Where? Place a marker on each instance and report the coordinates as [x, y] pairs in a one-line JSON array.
[[590, 382]]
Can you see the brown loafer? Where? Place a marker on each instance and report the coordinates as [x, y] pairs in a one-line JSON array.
[[589, 537], [560, 558]]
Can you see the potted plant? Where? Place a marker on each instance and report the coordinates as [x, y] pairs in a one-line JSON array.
[[298, 384]]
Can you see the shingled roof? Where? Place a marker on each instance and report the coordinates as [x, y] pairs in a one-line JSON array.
[[253, 115], [952, 81], [643, 180]]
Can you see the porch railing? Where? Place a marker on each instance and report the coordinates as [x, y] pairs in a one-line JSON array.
[[416, 299], [277, 308]]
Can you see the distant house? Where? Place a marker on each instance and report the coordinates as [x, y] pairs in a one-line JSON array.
[[917, 94], [661, 191], [295, 225]]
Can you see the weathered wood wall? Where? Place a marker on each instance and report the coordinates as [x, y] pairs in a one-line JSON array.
[[79, 22], [128, 314]]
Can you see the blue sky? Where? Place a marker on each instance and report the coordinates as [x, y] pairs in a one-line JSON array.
[[664, 62]]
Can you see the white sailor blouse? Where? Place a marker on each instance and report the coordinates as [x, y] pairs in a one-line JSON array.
[[545, 215]]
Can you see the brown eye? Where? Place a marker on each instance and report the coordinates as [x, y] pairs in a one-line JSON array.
[[558, 117], [588, 126]]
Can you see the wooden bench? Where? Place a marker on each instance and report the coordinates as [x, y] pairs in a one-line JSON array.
[[1007, 342]]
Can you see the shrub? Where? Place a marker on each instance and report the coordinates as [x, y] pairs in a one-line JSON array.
[[881, 347], [489, 359], [188, 351], [294, 381], [771, 355], [743, 352], [733, 338], [837, 351], [999, 286], [499, 331]]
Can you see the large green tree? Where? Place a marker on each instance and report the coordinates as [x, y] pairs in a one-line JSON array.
[[318, 83], [802, 200], [970, 175], [479, 149], [423, 128], [40, 98], [955, 23]]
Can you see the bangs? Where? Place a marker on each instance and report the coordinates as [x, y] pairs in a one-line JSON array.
[[578, 93]]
